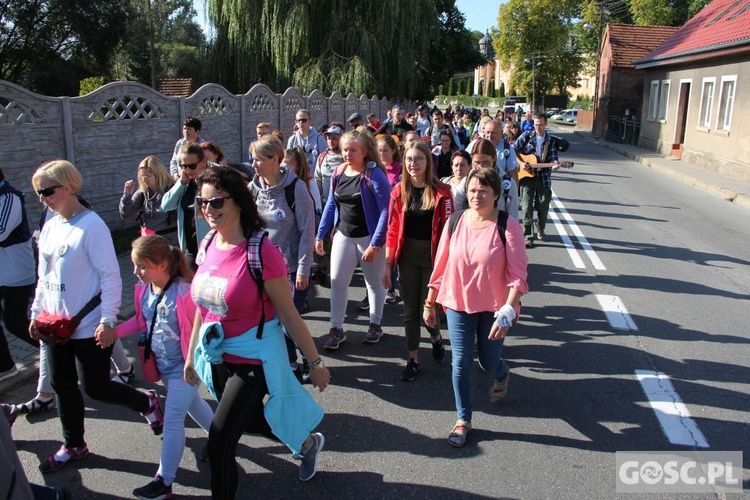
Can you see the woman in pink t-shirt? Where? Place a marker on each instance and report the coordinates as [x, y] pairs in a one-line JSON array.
[[231, 308], [479, 280]]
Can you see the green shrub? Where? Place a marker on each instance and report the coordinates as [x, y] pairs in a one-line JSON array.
[[90, 84]]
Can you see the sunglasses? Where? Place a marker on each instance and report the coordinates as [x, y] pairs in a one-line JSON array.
[[191, 166], [216, 203], [301, 120], [47, 192]]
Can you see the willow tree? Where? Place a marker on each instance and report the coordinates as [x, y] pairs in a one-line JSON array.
[[358, 46]]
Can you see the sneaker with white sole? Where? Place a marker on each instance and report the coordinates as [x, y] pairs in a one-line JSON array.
[[154, 416], [390, 296], [155, 490], [499, 389], [373, 335], [336, 337], [309, 457], [364, 305]]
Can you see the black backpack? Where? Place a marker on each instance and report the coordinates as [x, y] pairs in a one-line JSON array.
[[502, 223]]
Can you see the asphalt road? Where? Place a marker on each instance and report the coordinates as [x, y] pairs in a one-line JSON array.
[[670, 261]]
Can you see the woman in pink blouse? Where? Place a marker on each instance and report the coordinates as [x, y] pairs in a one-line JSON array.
[[479, 280]]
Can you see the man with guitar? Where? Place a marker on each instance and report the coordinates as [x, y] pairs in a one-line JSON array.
[[537, 155]]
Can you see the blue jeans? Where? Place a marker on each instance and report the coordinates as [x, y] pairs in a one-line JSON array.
[[464, 328]]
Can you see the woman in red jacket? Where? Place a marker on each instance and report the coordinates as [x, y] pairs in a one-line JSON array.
[[420, 206]]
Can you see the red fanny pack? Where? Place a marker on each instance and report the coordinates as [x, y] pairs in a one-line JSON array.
[[56, 329]]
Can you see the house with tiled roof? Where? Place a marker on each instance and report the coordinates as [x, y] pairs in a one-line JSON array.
[[697, 84], [620, 83]]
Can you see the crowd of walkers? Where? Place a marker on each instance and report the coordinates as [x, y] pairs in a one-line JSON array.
[[426, 204]]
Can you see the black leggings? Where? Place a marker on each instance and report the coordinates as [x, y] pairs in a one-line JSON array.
[[14, 308], [89, 360], [240, 389]]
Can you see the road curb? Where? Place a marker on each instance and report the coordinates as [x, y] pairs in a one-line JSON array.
[[723, 193]]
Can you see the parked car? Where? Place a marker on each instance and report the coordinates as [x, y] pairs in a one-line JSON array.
[[567, 115]]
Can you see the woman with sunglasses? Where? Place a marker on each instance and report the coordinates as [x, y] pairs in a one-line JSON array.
[[479, 278], [420, 207], [248, 364], [190, 227], [144, 205], [77, 262], [292, 228], [357, 208]]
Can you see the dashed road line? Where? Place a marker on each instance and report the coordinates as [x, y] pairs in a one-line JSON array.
[[674, 417], [616, 312], [587, 249], [569, 246]]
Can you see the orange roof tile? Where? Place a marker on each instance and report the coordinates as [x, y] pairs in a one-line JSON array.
[[721, 24], [631, 42]]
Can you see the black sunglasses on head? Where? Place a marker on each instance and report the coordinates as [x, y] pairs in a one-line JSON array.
[[216, 203], [191, 166], [47, 192]]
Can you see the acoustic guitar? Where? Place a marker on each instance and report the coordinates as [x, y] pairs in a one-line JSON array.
[[533, 162]]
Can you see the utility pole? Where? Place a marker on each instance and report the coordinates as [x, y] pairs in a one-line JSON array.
[[598, 64]]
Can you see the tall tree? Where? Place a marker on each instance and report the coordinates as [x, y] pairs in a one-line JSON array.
[[538, 31], [49, 45], [161, 40]]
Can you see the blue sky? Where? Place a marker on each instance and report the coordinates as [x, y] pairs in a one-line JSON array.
[[480, 14]]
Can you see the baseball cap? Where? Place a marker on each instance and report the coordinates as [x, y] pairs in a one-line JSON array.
[[333, 130], [355, 116]]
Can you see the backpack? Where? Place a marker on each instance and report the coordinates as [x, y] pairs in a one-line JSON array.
[[502, 223], [366, 176], [288, 194], [254, 265], [562, 144]]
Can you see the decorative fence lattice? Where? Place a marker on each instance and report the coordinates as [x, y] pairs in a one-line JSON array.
[[109, 131]]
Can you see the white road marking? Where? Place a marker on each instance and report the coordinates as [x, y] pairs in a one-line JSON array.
[[569, 246], [588, 250], [674, 417], [616, 312]]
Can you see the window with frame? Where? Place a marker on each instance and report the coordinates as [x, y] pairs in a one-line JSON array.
[[726, 102], [653, 100], [707, 102], [663, 100]]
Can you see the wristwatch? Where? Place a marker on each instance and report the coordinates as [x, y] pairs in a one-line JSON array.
[[110, 324]]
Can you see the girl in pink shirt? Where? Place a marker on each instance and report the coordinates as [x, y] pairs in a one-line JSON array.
[[475, 274]]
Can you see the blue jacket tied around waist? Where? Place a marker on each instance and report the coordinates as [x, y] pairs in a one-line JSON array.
[[290, 410]]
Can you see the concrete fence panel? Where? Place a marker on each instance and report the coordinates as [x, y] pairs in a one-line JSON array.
[[108, 132]]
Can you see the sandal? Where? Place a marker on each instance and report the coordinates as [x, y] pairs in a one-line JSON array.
[[126, 378], [37, 405], [458, 434]]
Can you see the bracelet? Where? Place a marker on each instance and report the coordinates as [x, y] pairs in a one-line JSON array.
[[428, 303], [316, 362], [430, 309]]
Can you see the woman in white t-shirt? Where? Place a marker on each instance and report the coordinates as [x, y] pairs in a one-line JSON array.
[[77, 262]]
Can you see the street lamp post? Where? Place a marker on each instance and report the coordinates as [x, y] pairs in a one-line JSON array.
[[534, 66]]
